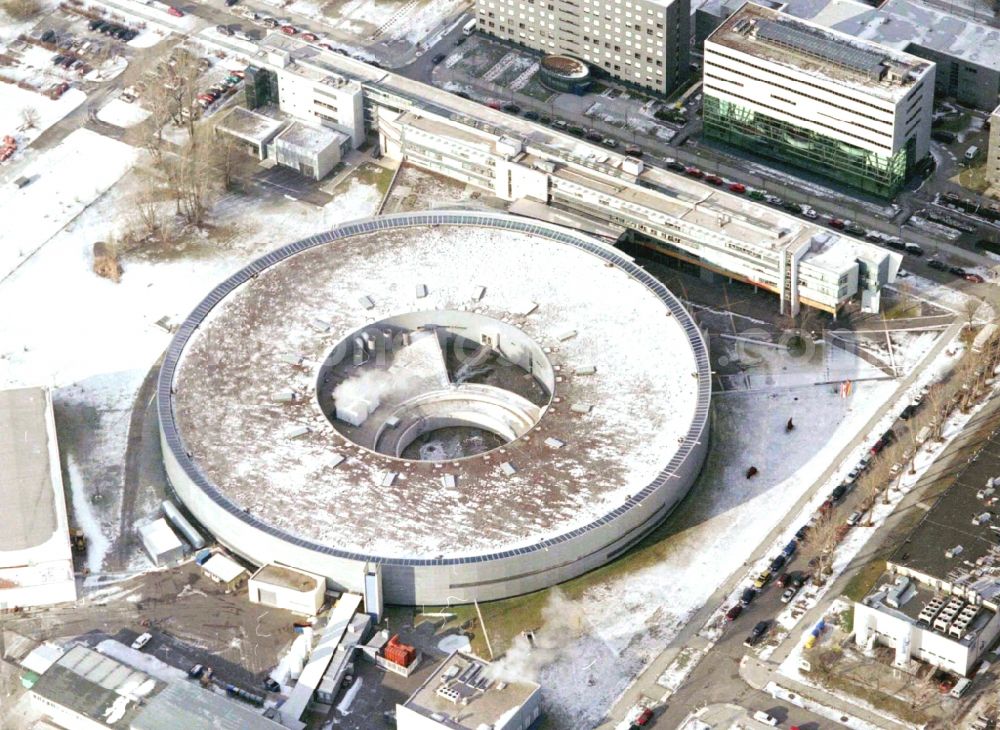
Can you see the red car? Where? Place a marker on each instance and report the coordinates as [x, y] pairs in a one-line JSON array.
[[312, 38], [289, 29], [733, 613], [325, 46], [975, 278], [643, 717], [714, 179], [737, 187], [837, 223], [176, 12], [693, 172]]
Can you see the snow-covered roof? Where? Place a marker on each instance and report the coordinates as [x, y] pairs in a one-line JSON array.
[[309, 139], [159, 538], [765, 33], [250, 125], [902, 24], [620, 424], [224, 568]]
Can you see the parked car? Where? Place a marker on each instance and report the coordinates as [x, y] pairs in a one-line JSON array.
[[762, 579], [975, 278], [913, 249], [784, 580], [196, 671], [789, 549], [895, 244], [438, 58], [609, 142], [714, 180], [778, 563], [943, 135], [633, 150], [838, 493], [310, 37], [463, 95], [141, 641], [749, 593], [176, 12], [935, 264], [643, 718], [230, 3], [693, 172], [757, 633], [223, 29], [269, 22], [801, 533], [270, 685], [289, 30], [957, 271], [559, 124], [809, 213], [593, 135], [575, 130], [854, 519], [757, 195], [837, 223], [733, 613], [737, 187], [460, 40], [789, 594], [531, 115], [799, 579], [763, 717], [854, 229], [511, 108], [675, 166]]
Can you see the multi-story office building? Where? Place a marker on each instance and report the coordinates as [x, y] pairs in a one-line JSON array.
[[643, 42], [571, 182], [854, 111]]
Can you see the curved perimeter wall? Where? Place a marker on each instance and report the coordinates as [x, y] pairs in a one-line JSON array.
[[439, 581]]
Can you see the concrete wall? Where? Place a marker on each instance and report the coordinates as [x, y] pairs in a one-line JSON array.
[[967, 83], [304, 602], [993, 154]]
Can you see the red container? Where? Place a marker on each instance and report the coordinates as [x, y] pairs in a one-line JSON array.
[[399, 653]]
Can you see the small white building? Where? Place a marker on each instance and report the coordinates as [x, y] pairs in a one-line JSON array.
[[462, 694], [293, 590], [161, 543], [252, 130], [312, 151], [225, 571]]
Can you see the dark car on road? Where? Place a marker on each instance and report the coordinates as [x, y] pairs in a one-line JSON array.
[[511, 108], [749, 594], [957, 271], [675, 166], [757, 633], [935, 264], [778, 563], [438, 58], [531, 115]]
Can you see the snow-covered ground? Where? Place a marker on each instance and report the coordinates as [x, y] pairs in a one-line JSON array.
[[65, 180], [122, 114], [591, 648], [14, 100], [94, 341]]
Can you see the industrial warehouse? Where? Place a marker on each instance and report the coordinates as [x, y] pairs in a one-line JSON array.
[[524, 429]]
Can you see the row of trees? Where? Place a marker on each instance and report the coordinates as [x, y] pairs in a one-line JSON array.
[[967, 385]]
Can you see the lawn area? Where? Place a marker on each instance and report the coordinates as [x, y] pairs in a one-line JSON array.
[[864, 579], [973, 178]]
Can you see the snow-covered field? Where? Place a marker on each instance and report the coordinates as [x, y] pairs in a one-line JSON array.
[[65, 180], [14, 100], [122, 114]]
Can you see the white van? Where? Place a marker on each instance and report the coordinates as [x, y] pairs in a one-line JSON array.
[[761, 716], [960, 688], [972, 153], [469, 28]]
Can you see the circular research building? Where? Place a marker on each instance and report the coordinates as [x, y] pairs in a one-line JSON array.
[[564, 73], [477, 404]]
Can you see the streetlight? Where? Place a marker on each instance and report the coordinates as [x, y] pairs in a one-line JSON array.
[[486, 634]]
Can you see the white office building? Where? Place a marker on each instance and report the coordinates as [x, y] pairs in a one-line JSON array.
[[855, 111], [643, 42]]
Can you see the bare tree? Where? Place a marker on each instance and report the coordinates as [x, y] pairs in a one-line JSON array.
[[969, 309], [21, 9], [29, 117], [825, 536]]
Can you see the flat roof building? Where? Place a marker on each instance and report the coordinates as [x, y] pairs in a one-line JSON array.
[[161, 542], [36, 562], [225, 571], [311, 150], [967, 53], [642, 42], [254, 130], [858, 112], [186, 705], [940, 598], [462, 694], [87, 690], [718, 231], [283, 587]]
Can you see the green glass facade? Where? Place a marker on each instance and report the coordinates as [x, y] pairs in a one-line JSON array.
[[741, 127]]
